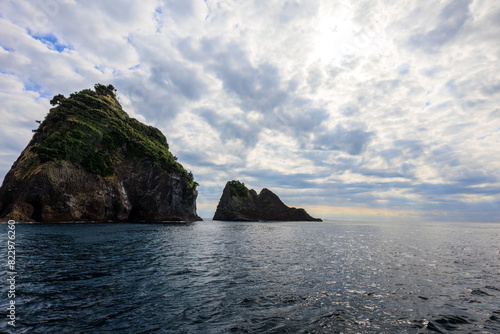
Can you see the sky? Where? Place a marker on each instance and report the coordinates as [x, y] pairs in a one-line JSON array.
[[376, 110]]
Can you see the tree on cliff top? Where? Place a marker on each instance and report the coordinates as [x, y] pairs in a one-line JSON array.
[[238, 189]]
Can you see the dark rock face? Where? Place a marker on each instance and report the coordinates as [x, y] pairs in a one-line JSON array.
[[114, 182], [68, 193], [240, 205]]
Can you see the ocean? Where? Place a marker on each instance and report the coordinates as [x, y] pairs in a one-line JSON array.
[[240, 277]]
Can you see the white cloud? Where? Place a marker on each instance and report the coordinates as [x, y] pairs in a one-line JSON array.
[[349, 103]]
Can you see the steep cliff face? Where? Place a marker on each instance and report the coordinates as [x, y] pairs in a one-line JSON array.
[[238, 203], [89, 161]]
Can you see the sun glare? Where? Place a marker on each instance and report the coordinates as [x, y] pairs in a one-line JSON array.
[[333, 34]]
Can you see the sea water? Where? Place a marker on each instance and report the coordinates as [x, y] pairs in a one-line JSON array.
[[280, 277]]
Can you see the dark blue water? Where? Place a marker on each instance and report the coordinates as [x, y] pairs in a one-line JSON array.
[[221, 277]]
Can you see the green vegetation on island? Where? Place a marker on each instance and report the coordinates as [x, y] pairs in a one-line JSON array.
[[90, 129], [238, 189]]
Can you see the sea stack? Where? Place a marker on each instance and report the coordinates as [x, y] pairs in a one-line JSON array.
[[238, 203], [89, 161]]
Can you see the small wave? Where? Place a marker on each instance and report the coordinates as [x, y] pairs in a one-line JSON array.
[[183, 271], [493, 322], [479, 292], [448, 323], [495, 316]]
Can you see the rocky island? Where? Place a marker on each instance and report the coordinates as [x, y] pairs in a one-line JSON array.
[[238, 203], [89, 161]]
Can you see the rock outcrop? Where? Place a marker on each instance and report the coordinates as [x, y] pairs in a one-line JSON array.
[[89, 161], [238, 203]]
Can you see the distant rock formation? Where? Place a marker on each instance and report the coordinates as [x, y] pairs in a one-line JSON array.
[[238, 203], [89, 161]]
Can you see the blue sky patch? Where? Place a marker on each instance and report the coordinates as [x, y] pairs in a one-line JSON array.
[[6, 48], [481, 138], [51, 42], [34, 86], [100, 68]]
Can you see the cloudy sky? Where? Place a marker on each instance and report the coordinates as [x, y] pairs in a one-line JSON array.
[[375, 109]]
